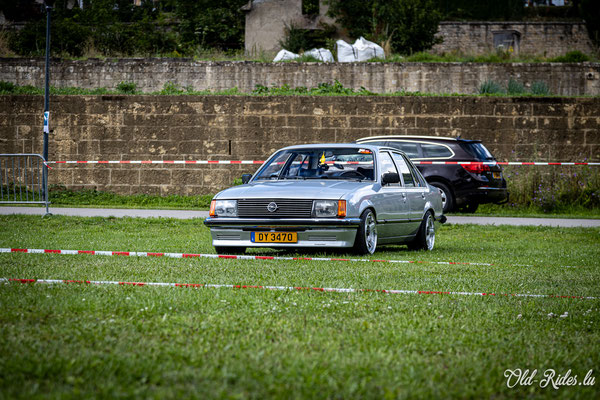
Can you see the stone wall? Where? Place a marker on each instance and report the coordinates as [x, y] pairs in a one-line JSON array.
[[152, 74], [548, 39], [251, 128]]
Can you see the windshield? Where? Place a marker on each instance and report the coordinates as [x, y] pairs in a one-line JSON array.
[[478, 151], [319, 163]]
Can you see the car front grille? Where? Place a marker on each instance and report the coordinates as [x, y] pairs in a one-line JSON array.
[[221, 236], [286, 208]]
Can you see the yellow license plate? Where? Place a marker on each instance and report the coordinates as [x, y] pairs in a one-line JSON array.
[[274, 237], [496, 175]]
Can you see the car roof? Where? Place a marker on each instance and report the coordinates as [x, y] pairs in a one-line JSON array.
[[416, 137], [334, 146]]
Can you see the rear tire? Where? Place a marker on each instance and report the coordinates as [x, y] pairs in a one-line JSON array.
[[447, 196], [229, 250], [425, 239], [366, 236]]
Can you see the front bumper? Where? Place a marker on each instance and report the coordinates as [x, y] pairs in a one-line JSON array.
[[237, 232]]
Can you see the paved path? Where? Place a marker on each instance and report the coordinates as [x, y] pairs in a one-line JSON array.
[[185, 214], [565, 223]]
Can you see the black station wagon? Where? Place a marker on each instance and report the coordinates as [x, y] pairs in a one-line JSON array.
[[463, 186]]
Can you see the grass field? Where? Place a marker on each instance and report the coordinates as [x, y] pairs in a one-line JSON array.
[[62, 197], [74, 341]]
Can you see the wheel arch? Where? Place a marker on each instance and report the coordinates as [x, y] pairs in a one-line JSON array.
[[367, 204], [448, 189]]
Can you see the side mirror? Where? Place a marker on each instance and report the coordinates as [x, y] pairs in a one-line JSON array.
[[246, 178], [390, 177]]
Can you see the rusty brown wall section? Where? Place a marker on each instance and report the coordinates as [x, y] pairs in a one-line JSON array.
[[250, 128]]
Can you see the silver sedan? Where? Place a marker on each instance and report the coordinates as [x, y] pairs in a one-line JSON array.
[[328, 195]]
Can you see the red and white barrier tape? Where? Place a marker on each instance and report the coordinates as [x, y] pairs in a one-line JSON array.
[[500, 163], [162, 162], [221, 256], [289, 288], [230, 162]]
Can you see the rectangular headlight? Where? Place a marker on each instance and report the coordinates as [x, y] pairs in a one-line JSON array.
[[223, 208], [325, 208]]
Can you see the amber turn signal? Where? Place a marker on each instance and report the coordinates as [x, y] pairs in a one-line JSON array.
[[341, 208]]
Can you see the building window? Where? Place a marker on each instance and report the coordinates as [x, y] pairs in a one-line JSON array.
[[507, 40]]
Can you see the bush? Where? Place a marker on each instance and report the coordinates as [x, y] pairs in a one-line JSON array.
[[481, 10], [172, 88], [69, 36], [7, 87], [490, 87], [297, 40], [590, 10], [119, 28], [409, 25], [515, 87], [29, 41], [126, 87], [324, 89], [555, 189], [540, 88], [575, 56]]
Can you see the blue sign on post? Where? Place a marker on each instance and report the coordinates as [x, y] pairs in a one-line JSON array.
[[46, 121]]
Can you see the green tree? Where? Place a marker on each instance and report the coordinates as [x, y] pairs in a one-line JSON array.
[[120, 28], [590, 9], [486, 10], [409, 25], [210, 24]]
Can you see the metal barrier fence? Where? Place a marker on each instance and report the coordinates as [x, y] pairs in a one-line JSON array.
[[23, 179]]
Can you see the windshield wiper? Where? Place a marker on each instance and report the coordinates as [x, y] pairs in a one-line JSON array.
[[351, 178]]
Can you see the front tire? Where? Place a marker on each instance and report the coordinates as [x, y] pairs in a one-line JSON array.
[[425, 239], [366, 237]]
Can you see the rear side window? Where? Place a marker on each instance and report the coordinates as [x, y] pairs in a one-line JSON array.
[[387, 166], [478, 151], [407, 176], [411, 149], [435, 151]]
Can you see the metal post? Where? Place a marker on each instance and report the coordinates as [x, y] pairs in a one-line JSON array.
[[48, 4]]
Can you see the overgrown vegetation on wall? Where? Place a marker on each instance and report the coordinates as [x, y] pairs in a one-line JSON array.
[[174, 28], [553, 189], [119, 28], [407, 25], [513, 88], [482, 10]]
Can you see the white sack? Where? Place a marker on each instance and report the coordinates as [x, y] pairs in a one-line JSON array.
[[361, 50], [285, 55], [368, 50], [320, 54], [345, 52]]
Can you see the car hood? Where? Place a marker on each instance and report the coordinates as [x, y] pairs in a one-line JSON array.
[[309, 189]]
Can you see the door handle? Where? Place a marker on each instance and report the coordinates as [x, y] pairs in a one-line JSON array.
[[404, 197], [423, 195]]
